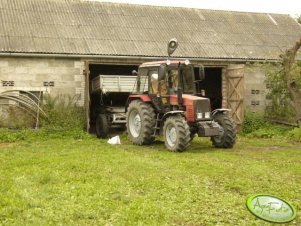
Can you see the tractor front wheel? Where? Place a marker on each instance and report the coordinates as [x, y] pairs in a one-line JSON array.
[[140, 122], [227, 136], [176, 133]]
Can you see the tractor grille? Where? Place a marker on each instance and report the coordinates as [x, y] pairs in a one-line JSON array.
[[202, 109]]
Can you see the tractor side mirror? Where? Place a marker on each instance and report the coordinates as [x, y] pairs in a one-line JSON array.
[[162, 72], [202, 73]]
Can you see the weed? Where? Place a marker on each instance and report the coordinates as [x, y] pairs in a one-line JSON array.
[[63, 113], [295, 134], [255, 125], [252, 122]]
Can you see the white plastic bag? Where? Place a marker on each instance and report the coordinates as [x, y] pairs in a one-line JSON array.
[[114, 140]]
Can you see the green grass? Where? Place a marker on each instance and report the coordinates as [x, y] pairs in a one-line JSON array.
[[88, 182]]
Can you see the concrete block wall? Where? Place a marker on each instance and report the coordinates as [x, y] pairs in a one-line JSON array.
[[33, 74], [255, 88]]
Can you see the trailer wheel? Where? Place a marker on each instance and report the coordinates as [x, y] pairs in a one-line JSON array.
[[140, 122], [102, 126], [228, 132], [176, 133]]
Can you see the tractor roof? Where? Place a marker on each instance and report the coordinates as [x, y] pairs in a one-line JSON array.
[[168, 62]]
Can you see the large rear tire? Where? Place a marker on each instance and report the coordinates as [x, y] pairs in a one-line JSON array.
[[140, 122], [176, 133], [102, 126], [228, 132]]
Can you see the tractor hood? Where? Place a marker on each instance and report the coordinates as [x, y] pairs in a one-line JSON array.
[[187, 99], [197, 108]]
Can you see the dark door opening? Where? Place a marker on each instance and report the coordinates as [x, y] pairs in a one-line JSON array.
[[212, 84], [99, 101]]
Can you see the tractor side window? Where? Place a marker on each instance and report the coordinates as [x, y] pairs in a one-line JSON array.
[[154, 81], [188, 80]]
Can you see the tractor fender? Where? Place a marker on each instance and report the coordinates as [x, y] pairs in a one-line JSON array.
[[143, 98], [220, 110], [173, 113]]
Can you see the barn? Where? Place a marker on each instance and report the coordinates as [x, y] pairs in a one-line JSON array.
[[58, 47]]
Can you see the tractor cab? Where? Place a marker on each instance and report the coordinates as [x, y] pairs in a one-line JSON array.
[[167, 80], [172, 75]]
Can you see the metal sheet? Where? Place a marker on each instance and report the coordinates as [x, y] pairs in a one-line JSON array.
[[86, 27]]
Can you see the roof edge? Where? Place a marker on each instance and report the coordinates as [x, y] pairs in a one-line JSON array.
[[180, 7], [63, 55]]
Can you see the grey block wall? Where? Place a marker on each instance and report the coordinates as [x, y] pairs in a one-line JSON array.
[[255, 88], [34, 74]]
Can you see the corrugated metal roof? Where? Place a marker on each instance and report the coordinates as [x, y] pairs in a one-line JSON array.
[[95, 28]]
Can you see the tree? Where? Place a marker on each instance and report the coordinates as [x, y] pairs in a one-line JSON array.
[[292, 73], [299, 19]]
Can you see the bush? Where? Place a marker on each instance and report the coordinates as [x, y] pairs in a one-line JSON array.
[[252, 122], [63, 113], [255, 125], [64, 119], [295, 134]]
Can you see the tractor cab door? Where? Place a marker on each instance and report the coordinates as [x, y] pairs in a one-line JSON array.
[[168, 84], [155, 88], [162, 85]]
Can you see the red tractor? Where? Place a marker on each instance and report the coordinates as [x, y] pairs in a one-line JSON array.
[[169, 105]]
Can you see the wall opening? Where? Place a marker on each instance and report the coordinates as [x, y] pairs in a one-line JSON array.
[[212, 84], [100, 101]]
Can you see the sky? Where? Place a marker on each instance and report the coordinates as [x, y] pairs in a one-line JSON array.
[[292, 7]]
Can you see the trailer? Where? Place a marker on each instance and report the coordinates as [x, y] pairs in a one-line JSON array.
[[111, 93]]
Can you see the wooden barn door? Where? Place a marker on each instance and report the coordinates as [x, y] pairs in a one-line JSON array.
[[235, 92]]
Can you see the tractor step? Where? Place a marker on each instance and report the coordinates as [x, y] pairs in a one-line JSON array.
[[156, 125]]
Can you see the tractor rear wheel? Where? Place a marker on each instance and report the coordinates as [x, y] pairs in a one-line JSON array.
[[176, 133], [140, 122], [227, 137], [102, 126]]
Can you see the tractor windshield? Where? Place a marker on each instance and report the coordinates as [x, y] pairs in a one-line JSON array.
[[187, 74]]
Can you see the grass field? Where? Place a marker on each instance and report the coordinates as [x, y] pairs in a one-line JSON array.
[[88, 182]]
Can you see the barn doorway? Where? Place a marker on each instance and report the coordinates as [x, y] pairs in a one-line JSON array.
[[212, 84], [100, 101]]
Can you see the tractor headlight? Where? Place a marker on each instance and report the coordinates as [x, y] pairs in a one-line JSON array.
[[187, 62], [207, 114]]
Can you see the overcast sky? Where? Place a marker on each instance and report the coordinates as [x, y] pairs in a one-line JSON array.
[[292, 7]]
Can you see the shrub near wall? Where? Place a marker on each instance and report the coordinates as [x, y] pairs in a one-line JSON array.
[[64, 119], [295, 134], [64, 116], [63, 113], [256, 125]]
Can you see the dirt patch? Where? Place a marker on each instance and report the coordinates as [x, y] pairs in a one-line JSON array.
[[6, 145]]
